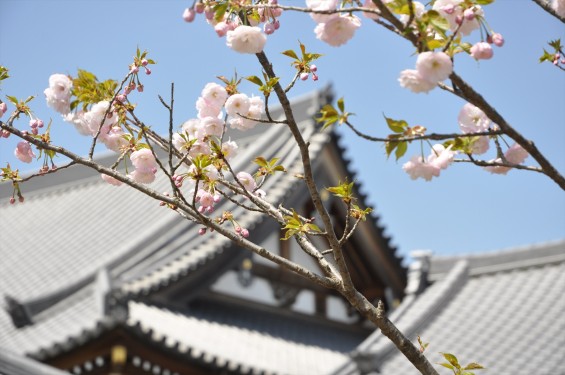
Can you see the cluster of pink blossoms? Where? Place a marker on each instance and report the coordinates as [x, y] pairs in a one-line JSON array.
[[472, 120], [440, 158], [242, 38], [335, 29], [515, 154], [431, 68], [559, 7]]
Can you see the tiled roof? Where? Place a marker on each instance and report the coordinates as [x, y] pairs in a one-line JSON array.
[[14, 364], [504, 310], [253, 342]]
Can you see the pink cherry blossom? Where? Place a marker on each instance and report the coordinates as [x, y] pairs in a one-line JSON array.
[[114, 139], [58, 94], [237, 103], [95, 116], [211, 126], [416, 167], [143, 160], [142, 177], [516, 154], [338, 30], [24, 152], [247, 181], [412, 80], [481, 145], [214, 94], [441, 157], [229, 149], [434, 66], [111, 180], [322, 5], [472, 120], [371, 5], [79, 122], [3, 108], [207, 108], [221, 29], [481, 51], [246, 39], [419, 10]]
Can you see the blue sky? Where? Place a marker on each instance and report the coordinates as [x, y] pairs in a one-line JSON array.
[[465, 210]]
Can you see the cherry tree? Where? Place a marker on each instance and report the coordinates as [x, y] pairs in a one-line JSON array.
[[198, 154]]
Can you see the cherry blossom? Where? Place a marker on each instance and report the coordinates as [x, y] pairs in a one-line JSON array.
[[214, 94], [94, 117], [58, 94], [145, 166], [434, 66], [337, 30], [371, 5], [416, 167], [472, 120], [247, 181], [515, 154], [24, 152], [412, 80], [229, 149], [322, 5], [481, 51], [3, 108], [237, 103], [246, 39], [111, 180]]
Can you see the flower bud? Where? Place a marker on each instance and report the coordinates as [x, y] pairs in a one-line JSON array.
[[134, 69], [140, 88], [199, 7], [21, 199], [12, 200], [314, 77], [469, 14], [144, 62], [3, 108], [269, 28], [244, 233], [188, 15], [304, 76], [497, 39], [449, 9], [40, 123], [313, 68], [147, 71], [202, 231]]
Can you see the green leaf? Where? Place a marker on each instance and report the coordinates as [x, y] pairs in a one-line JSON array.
[[290, 53], [397, 126], [473, 366], [390, 146], [447, 365], [261, 161], [484, 2], [435, 43], [12, 100], [452, 359], [254, 79], [401, 149], [341, 105]]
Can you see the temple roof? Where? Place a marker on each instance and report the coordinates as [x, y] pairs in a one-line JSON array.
[[504, 310]]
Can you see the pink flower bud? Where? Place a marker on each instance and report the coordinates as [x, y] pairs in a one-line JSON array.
[[313, 68], [40, 123], [144, 62], [121, 98], [458, 20], [304, 76], [3, 108], [147, 71], [140, 88], [199, 7], [209, 13], [221, 29], [244, 233], [497, 39], [237, 229], [314, 77], [469, 14], [131, 86], [134, 69], [269, 28], [202, 231], [21, 199], [188, 15], [34, 131], [277, 24], [33, 123], [12, 200], [5, 133]]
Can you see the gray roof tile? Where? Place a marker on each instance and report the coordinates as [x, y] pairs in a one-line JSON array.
[[505, 311]]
